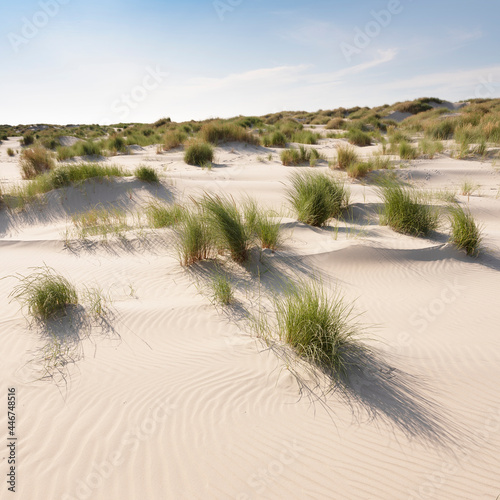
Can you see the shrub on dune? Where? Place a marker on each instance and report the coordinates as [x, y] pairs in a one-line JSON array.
[[335, 124], [306, 137], [199, 154], [405, 212], [317, 327], [10, 152], [35, 161], [316, 198], [465, 232], [28, 139]]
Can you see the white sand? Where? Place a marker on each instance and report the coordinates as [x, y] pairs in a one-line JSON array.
[[176, 399]]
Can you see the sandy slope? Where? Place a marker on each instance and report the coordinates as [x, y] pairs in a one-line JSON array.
[[173, 398]]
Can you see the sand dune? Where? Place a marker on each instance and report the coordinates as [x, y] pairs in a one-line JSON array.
[[173, 398]]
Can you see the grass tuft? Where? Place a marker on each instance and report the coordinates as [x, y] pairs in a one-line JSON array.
[[35, 161], [226, 225], [199, 154], [45, 293], [405, 212], [465, 232], [222, 290], [194, 242], [316, 198], [346, 155], [146, 174], [316, 326], [160, 215]]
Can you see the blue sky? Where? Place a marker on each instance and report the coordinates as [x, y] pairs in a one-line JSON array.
[[106, 61]]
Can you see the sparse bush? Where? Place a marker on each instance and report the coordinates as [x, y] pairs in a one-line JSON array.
[[116, 143], [45, 293], [35, 161], [316, 198], [406, 212], [146, 174], [465, 232], [199, 154], [10, 152]]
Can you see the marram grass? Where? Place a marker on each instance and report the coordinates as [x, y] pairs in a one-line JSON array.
[[465, 232]]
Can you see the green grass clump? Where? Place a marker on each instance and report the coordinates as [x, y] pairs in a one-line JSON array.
[[100, 222], [199, 154], [318, 327], [441, 130], [263, 225], [173, 139], [306, 137], [222, 290], [430, 148], [216, 133], [88, 148], [407, 151], [35, 161], [346, 155], [358, 170], [146, 174], [275, 139], [45, 293], [73, 174], [316, 198], [160, 215], [405, 211], [28, 139], [358, 137], [117, 144], [335, 124], [10, 152], [194, 241], [226, 226], [299, 156], [465, 232]]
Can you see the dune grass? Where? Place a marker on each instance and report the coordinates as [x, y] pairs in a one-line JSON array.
[[44, 293], [299, 156], [358, 137], [101, 221], [227, 227], [199, 154], [346, 155], [194, 240], [465, 232], [11, 152], [146, 174], [306, 137], [316, 198], [319, 328], [430, 148], [222, 289], [35, 161], [359, 169], [275, 139], [406, 212], [216, 133], [407, 151], [173, 139], [262, 225], [161, 215]]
